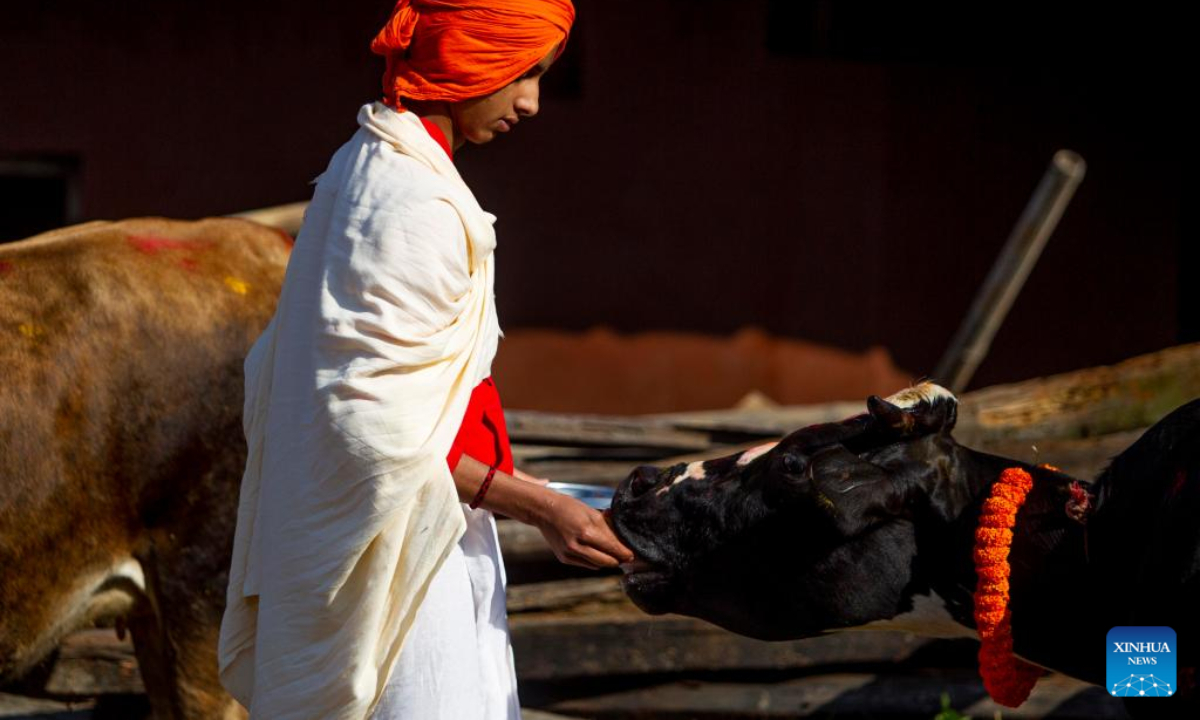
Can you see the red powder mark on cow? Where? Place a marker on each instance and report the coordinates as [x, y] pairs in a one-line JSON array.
[[5, 267], [153, 245], [189, 264]]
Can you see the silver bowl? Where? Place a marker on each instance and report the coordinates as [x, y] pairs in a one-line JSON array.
[[594, 496]]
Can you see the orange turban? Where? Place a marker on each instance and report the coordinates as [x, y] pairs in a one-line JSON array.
[[457, 49]]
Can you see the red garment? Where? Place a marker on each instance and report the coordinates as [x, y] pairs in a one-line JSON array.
[[483, 434], [436, 133]]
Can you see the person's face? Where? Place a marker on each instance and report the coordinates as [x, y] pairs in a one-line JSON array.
[[479, 119]]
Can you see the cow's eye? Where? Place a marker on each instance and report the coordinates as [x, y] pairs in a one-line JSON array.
[[794, 464]]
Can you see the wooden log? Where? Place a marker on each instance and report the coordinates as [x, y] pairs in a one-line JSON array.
[[1085, 403]]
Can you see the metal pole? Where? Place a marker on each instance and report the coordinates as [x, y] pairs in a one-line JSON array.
[[991, 305]]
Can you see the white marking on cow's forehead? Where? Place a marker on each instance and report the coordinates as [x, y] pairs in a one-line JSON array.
[[754, 452], [924, 392], [694, 471]]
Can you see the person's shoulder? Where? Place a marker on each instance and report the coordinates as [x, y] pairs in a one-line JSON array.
[[372, 174]]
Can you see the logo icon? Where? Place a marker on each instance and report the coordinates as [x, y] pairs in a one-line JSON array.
[[1141, 661]]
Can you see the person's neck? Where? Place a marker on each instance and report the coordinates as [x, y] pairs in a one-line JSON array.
[[437, 113]]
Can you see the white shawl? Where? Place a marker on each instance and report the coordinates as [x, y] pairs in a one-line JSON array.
[[354, 394]]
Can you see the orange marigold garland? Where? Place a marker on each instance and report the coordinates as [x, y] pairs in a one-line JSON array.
[[1008, 679]]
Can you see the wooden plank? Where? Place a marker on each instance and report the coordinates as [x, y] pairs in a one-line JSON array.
[[521, 543], [94, 662], [525, 454], [764, 422], [702, 700], [844, 695], [565, 594], [623, 641], [529, 426], [604, 637], [19, 707], [530, 714]]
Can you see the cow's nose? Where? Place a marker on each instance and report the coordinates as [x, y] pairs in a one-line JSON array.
[[642, 479]]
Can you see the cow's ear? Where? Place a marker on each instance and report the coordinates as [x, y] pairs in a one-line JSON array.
[[889, 415], [855, 494]]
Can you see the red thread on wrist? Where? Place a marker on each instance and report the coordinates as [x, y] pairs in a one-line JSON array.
[[487, 482]]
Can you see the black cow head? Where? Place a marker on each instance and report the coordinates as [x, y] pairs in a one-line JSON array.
[[813, 534]]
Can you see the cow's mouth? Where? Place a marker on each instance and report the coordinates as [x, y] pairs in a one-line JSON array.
[[648, 586], [649, 579], [645, 581]]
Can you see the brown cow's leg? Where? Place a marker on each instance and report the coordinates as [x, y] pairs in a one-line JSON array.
[[186, 574], [176, 650], [154, 662]]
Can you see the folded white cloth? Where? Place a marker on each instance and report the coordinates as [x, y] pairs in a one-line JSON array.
[[354, 394]]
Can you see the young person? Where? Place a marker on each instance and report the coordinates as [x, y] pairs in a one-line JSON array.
[[366, 578]]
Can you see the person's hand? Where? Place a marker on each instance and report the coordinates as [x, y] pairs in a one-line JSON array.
[[579, 535]]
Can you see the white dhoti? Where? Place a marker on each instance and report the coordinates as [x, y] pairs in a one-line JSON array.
[[457, 663]]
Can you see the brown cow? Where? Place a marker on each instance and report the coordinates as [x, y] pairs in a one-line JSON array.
[[121, 446]]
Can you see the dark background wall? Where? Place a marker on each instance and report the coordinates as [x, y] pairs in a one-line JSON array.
[[842, 172]]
